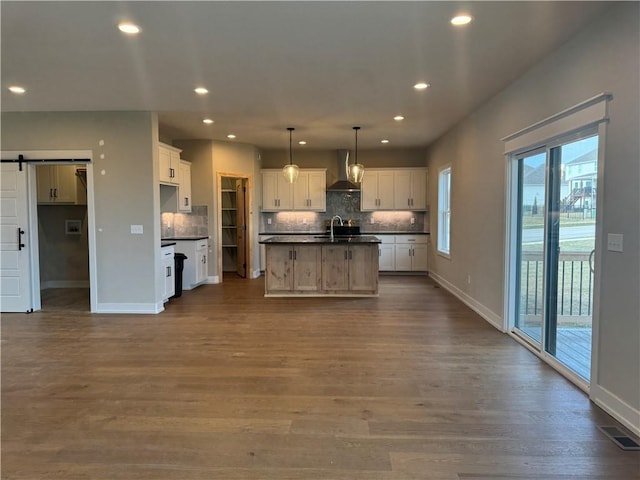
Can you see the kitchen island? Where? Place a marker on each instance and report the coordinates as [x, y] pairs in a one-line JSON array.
[[316, 265]]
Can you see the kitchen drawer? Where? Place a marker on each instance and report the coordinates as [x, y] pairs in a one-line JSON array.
[[412, 238]]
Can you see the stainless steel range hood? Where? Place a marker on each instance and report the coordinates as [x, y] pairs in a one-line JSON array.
[[343, 185]]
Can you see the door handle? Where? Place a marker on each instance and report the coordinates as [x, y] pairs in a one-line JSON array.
[[591, 264], [20, 244]]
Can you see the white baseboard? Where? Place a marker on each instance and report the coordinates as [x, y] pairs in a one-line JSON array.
[[617, 408], [141, 308], [256, 274], [490, 316], [213, 279], [64, 284]]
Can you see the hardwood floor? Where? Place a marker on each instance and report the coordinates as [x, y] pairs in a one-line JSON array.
[[226, 384]]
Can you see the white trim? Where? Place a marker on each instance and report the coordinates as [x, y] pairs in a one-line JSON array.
[[213, 279], [617, 408], [580, 116], [255, 274], [441, 197], [64, 284], [486, 313], [34, 247], [131, 308]]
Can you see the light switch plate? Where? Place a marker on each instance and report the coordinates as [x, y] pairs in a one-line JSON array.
[[614, 242], [136, 229]]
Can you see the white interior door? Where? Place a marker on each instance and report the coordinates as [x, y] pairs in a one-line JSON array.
[[15, 271]]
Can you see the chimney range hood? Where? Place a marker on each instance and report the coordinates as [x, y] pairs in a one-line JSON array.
[[343, 185]]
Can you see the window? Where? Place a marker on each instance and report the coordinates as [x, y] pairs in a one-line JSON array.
[[444, 210]]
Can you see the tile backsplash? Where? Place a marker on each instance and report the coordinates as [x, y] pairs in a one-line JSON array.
[[192, 224], [347, 205]]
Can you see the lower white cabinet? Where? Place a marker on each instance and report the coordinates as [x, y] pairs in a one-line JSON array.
[[195, 270], [403, 253], [168, 272]]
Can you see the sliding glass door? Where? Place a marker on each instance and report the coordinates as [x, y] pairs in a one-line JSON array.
[[556, 216]]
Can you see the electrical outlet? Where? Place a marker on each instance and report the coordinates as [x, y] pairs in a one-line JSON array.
[[137, 229], [371, 221], [268, 221], [413, 220], [469, 279]]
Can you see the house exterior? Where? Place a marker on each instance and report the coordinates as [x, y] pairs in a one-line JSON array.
[[603, 57]]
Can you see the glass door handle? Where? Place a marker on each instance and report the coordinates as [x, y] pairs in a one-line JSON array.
[[591, 262]]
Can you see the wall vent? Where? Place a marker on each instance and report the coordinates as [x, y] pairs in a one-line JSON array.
[[620, 438]]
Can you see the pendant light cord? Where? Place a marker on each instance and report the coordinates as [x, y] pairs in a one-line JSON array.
[[356, 155], [291, 129]]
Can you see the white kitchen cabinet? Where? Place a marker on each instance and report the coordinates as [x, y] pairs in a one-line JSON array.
[[169, 164], [377, 190], [410, 189], [277, 192], [387, 253], [394, 189], [184, 187], [168, 272], [310, 190], [195, 271], [57, 184], [411, 253]]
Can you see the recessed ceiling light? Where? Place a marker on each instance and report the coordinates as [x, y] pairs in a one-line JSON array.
[[384, 141], [421, 86], [302, 142], [208, 121], [17, 89], [128, 28], [201, 90], [231, 136], [398, 118], [461, 20]]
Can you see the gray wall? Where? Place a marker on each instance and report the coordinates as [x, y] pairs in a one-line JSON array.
[[124, 195], [603, 57], [209, 159], [63, 258]]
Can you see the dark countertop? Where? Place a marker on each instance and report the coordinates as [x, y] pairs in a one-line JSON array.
[[324, 233], [166, 244], [321, 239], [180, 239]]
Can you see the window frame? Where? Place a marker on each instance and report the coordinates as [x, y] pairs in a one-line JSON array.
[[443, 244]]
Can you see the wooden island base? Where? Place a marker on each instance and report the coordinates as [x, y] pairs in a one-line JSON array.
[[321, 269]]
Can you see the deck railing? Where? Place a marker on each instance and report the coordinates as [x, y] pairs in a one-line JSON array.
[[575, 284]]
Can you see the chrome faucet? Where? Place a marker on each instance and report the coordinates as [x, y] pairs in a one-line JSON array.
[[332, 219]]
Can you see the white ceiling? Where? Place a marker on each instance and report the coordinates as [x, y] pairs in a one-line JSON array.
[[320, 67]]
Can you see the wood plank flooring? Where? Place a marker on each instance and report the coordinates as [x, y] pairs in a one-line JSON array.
[[226, 384]]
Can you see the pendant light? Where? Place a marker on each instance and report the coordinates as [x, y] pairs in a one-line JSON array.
[[291, 171], [355, 172]]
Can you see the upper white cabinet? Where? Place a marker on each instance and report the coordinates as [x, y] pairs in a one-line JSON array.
[[57, 184], [169, 164], [410, 189], [310, 190], [184, 188], [377, 190], [174, 175], [277, 192], [394, 189]]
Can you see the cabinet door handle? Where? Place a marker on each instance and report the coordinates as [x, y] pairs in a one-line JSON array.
[[345, 255], [168, 271], [20, 233], [51, 193], [295, 255], [290, 255], [204, 259], [408, 202], [186, 201], [350, 255], [55, 193]]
